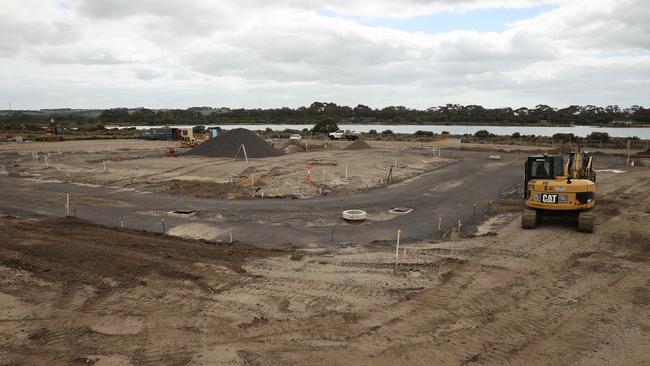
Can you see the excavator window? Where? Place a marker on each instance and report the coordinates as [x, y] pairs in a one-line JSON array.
[[540, 169]]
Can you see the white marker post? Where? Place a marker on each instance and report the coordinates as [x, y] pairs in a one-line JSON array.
[[346, 170], [230, 232], [104, 162], [439, 223], [397, 250], [67, 204]]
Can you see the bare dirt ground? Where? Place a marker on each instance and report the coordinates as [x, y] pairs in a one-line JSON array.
[[129, 164], [77, 293]]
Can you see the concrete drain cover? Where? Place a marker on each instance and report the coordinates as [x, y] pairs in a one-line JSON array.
[[354, 216], [401, 210]]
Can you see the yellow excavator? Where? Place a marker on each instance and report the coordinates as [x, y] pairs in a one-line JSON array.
[[552, 187]]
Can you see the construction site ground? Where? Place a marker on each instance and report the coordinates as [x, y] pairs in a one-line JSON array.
[[76, 292], [143, 165]]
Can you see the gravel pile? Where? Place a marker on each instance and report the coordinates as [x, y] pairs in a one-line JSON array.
[[228, 144]]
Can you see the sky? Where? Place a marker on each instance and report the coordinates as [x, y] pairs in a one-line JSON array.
[[264, 54]]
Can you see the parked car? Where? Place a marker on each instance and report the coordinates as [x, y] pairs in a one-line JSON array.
[[295, 137], [347, 135]]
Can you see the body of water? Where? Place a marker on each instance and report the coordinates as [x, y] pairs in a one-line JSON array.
[[641, 132]]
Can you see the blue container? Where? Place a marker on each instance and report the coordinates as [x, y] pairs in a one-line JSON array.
[[214, 133]]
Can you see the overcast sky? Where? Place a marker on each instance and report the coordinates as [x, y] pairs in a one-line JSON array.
[[260, 53]]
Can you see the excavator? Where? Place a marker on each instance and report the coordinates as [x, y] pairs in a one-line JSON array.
[[553, 188]]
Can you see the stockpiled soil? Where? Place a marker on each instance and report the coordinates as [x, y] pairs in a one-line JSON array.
[[358, 145], [229, 144]]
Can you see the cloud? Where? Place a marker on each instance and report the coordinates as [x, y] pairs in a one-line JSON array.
[[257, 53]]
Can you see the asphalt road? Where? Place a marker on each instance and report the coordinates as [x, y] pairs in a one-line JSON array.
[[448, 193]]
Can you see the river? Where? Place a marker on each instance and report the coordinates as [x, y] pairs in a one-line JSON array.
[[641, 132]]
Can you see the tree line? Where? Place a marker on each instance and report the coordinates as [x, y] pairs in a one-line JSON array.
[[319, 111]]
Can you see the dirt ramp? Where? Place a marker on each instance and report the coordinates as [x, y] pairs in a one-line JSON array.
[[358, 145], [229, 144]]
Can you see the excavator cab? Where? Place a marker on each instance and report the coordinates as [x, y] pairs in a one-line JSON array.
[[553, 186], [542, 167]]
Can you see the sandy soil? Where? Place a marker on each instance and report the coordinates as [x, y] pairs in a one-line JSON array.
[[129, 164], [85, 146], [77, 293]]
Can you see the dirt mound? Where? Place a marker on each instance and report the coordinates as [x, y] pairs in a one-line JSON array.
[[293, 146], [358, 145], [229, 144]]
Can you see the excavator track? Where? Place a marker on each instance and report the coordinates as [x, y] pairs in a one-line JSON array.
[[586, 222], [528, 218]]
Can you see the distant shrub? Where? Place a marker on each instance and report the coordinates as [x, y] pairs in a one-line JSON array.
[[387, 132], [602, 136], [372, 132], [564, 136], [445, 133], [423, 133], [516, 135], [482, 134]]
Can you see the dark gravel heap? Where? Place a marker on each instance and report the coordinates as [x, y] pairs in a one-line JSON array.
[[358, 145], [226, 146]]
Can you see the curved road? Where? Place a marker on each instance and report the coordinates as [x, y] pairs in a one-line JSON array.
[[449, 192]]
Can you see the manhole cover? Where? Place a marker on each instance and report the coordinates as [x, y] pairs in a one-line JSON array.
[[401, 210]]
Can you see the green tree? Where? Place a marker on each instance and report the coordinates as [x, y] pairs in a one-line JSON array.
[[114, 116], [325, 126], [482, 134]]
